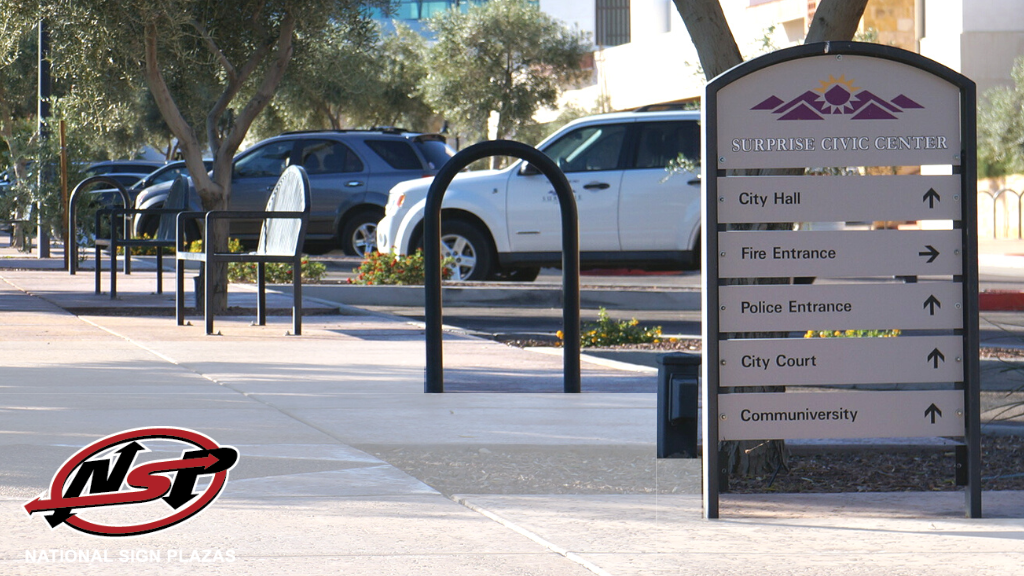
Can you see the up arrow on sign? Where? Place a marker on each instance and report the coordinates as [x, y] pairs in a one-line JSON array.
[[933, 411]]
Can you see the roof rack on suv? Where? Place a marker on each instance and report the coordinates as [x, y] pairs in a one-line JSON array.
[[382, 129], [668, 106]]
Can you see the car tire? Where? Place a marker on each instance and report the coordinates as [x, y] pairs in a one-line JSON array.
[[469, 246], [359, 234], [518, 274], [150, 225]]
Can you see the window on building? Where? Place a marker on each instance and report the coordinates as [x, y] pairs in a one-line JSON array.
[[612, 22]]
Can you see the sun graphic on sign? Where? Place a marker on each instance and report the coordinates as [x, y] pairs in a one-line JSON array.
[[836, 94]]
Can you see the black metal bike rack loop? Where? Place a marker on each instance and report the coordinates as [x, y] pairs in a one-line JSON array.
[[434, 382], [76, 194]]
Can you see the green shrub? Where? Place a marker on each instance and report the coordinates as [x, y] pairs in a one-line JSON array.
[[394, 269], [609, 332], [276, 272]]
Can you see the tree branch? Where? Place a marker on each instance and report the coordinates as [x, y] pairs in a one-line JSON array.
[[268, 87], [835, 20], [208, 190], [211, 45], [710, 33], [234, 86]]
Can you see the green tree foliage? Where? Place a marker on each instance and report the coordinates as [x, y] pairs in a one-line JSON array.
[[21, 151], [353, 75], [1001, 128], [211, 67], [502, 56]]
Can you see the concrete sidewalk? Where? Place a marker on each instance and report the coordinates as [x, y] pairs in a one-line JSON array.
[[319, 419]]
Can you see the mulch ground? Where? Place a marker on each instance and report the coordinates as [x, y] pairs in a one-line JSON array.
[[871, 470]]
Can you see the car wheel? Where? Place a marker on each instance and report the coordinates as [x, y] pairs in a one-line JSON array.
[[519, 274], [359, 235], [469, 249]]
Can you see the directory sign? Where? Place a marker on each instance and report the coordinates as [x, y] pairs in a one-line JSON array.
[[821, 292], [862, 414], [764, 254], [838, 198], [818, 308]]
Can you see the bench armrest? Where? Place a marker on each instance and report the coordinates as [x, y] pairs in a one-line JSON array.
[[252, 214], [179, 228]]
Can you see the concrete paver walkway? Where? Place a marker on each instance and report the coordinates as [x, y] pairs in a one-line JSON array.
[[315, 416]]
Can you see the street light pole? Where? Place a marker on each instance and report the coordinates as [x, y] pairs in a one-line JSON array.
[[43, 115]]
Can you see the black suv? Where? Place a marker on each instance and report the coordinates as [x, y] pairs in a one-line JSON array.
[[350, 174]]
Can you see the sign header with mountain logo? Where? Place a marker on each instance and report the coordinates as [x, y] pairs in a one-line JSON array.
[[838, 110], [838, 96]]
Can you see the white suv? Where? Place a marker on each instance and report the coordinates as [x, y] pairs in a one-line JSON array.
[[504, 224]]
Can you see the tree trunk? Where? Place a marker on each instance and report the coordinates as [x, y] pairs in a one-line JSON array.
[[710, 33], [718, 52], [215, 191], [835, 20]]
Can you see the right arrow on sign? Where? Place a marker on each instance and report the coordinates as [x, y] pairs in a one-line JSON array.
[[932, 303], [935, 356], [930, 252], [931, 197], [933, 411]]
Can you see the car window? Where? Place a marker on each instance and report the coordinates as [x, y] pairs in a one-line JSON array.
[[268, 161], [661, 142], [125, 179], [588, 149], [328, 157], [436, 152], [170, 174], [397, 153]]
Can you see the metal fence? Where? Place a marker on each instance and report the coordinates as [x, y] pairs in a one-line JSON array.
[[999, 213]]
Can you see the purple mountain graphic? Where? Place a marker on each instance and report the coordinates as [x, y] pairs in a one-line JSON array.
[[771, 103], [873, 112], [807, 99], [801, 112], [863, 105], [863, 98], [904, 102]]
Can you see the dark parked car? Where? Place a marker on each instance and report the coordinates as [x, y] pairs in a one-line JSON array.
[[166, 173], [350, 172], [105, 167]]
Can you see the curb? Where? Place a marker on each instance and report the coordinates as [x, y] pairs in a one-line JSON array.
[[518, 296], [1001, 301]]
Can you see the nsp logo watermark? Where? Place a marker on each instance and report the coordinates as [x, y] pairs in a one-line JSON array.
[[102, 482]]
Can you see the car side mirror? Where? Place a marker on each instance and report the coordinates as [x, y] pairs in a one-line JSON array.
[[528, 170]]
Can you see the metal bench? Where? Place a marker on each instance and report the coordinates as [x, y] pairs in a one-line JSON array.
[[281, 236], [120, 226]]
